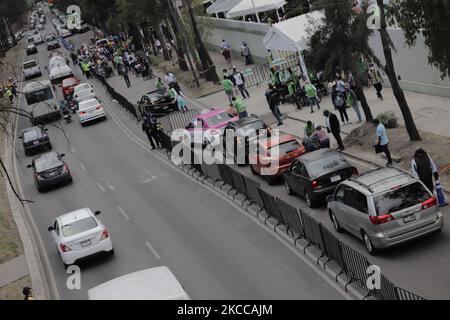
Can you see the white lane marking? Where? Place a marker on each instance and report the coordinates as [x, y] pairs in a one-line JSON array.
[[72, 149], [82, 167], [110, 187], [149, 179], [155, 253], [100, 187], [125, 215]]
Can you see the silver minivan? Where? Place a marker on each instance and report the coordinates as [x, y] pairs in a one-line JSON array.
[[384, 207]]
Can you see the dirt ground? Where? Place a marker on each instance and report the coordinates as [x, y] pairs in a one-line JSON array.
[[13, 291], [438, 147]]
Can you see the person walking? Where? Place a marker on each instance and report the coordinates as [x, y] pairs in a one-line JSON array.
[[352, 101], [126, 77], [86, 66], [311, 94], [181, 102], [376, 80], [245, 52], [333, 126], [148, 128], [340, 86], [424, 169], [228, 88], [338, 100], [239, 81], [240, 107], [272, 100], [382, 141], [309, 129], [322, 136]]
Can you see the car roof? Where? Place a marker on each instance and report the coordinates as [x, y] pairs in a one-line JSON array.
[[32, 86], [46, 155], [382, 179], [269, 143], [75, 215], [157, 283], [89, 102], [318, 154]]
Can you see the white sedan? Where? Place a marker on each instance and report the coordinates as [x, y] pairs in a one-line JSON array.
[[64, 33], [83, 91], [80, 234], [89, 110]]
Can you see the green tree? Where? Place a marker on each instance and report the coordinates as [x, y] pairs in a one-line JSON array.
[[432, 19], [390, 71], [341, 41]]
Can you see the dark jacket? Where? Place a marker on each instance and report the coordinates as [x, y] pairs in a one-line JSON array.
[[334, 123], [272, 98]]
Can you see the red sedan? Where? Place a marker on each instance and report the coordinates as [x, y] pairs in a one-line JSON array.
[[68, 85], [273, 156]]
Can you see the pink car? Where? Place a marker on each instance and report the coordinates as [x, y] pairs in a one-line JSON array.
[[207, 125]]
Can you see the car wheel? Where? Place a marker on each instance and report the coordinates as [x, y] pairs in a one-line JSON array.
[[368, 244], [82, 124], [309, 202], [336, 224], [39, 189], [288, 189]]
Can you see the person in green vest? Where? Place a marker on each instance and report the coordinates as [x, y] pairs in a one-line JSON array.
[[241, 109], [86, 67], [274, 76], [309, 129], [9, 94], [160, 85], [228, 86], [172, 93], [292, 89], [311, 94]]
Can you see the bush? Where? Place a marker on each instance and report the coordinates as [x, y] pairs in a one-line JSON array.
[[388, 119]]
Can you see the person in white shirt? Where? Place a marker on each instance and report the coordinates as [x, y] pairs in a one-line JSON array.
[[170, 79], [239, 81]]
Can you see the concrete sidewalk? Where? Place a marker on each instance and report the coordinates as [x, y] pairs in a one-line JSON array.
[[13, 270]]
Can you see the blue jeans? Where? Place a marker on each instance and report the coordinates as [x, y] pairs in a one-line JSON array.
[[243, 114]]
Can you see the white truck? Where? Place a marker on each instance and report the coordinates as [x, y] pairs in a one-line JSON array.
[[42, 104], [58, 68]]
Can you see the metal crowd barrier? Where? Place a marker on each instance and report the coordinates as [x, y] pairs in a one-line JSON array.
[[271, 205], [291, 218]]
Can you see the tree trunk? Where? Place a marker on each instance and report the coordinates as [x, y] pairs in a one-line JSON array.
[[207, 64], [390, 71], [360, 93], [162, 39], [178, 49]]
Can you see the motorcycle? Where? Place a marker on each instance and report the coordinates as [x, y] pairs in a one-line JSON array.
[[65, 111]]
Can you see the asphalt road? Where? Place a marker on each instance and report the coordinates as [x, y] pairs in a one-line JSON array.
[[158, 216]]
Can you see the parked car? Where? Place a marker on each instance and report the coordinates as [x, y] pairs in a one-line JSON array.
[[83, 28], [31, 48], [52, 42], [272, 157], [209, 125], [157, 283], [35, 139], [315, 175], [64, 33], [83, 91], [80, 235], [244, 130], [89, 110], [384, 207], [31, 69], [50, 170], [157, 103], [68, 85]]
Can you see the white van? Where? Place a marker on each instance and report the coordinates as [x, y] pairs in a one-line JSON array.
[[58, 69], [31, 69], [157, 283]]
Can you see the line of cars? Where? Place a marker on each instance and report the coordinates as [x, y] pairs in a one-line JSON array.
[[383, 207]]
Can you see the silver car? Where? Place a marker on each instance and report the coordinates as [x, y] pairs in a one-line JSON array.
[[384, 207]]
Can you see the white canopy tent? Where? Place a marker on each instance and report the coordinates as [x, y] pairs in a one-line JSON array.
[[219, 6], [293, 34], [247, 7]]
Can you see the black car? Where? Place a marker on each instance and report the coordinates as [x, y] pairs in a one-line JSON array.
[[50, 170], [35, 139], [315, 175], [52, 42], [157, 103], [83, 28], [244, 129], [31, 48]]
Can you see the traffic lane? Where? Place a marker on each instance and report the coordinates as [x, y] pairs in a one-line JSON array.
[[426, 259], [216, 251], [83, 192]]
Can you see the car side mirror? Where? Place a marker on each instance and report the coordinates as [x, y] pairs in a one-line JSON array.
[[50, 229], [29, 166], [97, 212], [330, 198], [62, 155]]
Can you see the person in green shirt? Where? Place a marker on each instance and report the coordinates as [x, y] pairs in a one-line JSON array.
[[309, 129], [311, 94], [274, 76], [160, 85], [241, 109], [228, 87]]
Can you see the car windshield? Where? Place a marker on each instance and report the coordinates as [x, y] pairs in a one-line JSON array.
[[47, 162], [155, 96], [401, 198], [250, 129], [28, 65], [31, 134], [78, 226], [87, 104], [219, 118], [283, 148], [39, 95], [326, 165], [81, 87]]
